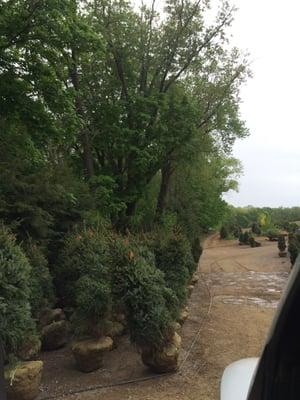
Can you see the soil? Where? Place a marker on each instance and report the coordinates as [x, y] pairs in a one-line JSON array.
[[230, 313]]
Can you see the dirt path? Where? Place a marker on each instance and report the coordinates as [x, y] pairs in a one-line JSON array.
[[231, 309]]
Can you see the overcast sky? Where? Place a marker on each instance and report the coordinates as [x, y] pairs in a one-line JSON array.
[[270, 30]]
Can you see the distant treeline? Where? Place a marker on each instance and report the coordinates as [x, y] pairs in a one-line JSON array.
[[266, 217]]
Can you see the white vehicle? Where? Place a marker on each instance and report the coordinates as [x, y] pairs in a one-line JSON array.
[[276, 374]]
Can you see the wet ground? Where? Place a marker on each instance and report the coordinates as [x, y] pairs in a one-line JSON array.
[[231, 310], [247, 288]]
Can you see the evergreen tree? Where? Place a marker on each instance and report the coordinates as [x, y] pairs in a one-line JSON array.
[[16, 323]]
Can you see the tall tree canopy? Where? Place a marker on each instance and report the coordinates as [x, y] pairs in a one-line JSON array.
[[98, 98]]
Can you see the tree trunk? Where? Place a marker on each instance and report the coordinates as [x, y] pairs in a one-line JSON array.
[[130, 209], [166, 173], [122, 222], [84, 133], [87, 153]]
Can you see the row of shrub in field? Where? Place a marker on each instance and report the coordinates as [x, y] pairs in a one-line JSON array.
[[247, 237], [99, 276], [143, 275]]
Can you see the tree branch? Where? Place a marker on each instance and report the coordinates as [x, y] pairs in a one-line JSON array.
[[28, 24]]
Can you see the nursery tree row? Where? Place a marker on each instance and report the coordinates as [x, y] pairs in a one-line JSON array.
[[119, 117]]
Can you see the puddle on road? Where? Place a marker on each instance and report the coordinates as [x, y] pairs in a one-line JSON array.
[[249, 301], [262, 289]]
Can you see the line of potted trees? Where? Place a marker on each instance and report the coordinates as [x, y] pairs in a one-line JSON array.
[[106, 283]]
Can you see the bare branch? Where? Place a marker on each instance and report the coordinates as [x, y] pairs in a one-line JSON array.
[[204, 45], [145, 60]]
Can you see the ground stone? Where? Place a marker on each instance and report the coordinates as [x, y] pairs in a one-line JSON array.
[[282, 254], [165, 360], [48, 316], [89, 353], [177, 326], [183, 316], [54, 335], [30, 348], [121, 318], [68, 311], [190, 290], [116, 329], [22, 382]]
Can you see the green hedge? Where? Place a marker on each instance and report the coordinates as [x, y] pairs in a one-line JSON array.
[[16, 323]]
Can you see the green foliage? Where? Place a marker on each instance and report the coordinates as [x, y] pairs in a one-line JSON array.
[[15, 314], [85, 252], [83, 278], [197, 250], [266, 218], [294, 247], [196, 189], [273, 234], [173, 255], [224, 232], [291, 227], [39, 201], [148, 302], [245, 237], [93, 299], [155, 115], [255, 228], [241, 238], [112, 113], [236, 230], [40, 281], [252, 242], [79, 97]]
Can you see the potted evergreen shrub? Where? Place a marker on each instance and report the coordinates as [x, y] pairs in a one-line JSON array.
[[52, 323], [93, 306], [224, 232], [150, 306], [173, 256], [197, 250], [241, 239], [255, 228], [282, 246], [253, 243], [273, 235], [237, 232], [247, 236], [86, 279], [16, 324], [294, 247], [41, 282]]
